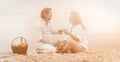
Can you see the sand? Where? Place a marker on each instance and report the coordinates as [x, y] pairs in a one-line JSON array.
[[96, 55]]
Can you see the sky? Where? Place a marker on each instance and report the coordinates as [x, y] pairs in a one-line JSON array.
[[100, 17]]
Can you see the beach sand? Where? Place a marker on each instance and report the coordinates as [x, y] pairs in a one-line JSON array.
[[96, 55]]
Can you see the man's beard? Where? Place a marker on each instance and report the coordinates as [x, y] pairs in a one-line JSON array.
[[49, 18]]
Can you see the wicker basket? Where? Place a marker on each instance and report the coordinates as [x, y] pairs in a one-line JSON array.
[[21, 47]]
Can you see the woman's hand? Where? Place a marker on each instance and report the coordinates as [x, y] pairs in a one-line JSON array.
[[66, 32], [72, 35]]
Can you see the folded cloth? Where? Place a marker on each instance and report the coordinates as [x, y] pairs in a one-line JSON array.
[[45, 48]]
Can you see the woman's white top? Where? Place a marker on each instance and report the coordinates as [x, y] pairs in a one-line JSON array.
[[80, 33]]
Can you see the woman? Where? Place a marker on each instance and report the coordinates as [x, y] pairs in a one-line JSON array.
[[77, 33]]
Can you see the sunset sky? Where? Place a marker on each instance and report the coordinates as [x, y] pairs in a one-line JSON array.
[[100, 17]]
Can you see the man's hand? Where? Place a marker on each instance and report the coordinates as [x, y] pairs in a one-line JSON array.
[[60, 31], [57, 32], [42, 40]]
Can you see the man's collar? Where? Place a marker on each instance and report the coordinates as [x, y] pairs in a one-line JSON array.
[[43, 21]]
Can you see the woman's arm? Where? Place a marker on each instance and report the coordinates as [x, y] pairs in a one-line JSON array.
[[72, 35]]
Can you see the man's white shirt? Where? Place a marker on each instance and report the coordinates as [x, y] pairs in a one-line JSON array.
[[44, 32]]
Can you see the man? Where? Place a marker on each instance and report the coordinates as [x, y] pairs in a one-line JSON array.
[[45, 32]]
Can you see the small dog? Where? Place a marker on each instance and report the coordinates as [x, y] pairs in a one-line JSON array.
[[69, 47], [62, 47]]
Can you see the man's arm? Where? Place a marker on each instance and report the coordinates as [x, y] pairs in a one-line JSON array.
[[57, 32]]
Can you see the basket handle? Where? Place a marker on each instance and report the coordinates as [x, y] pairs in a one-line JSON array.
[[20, 38]]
